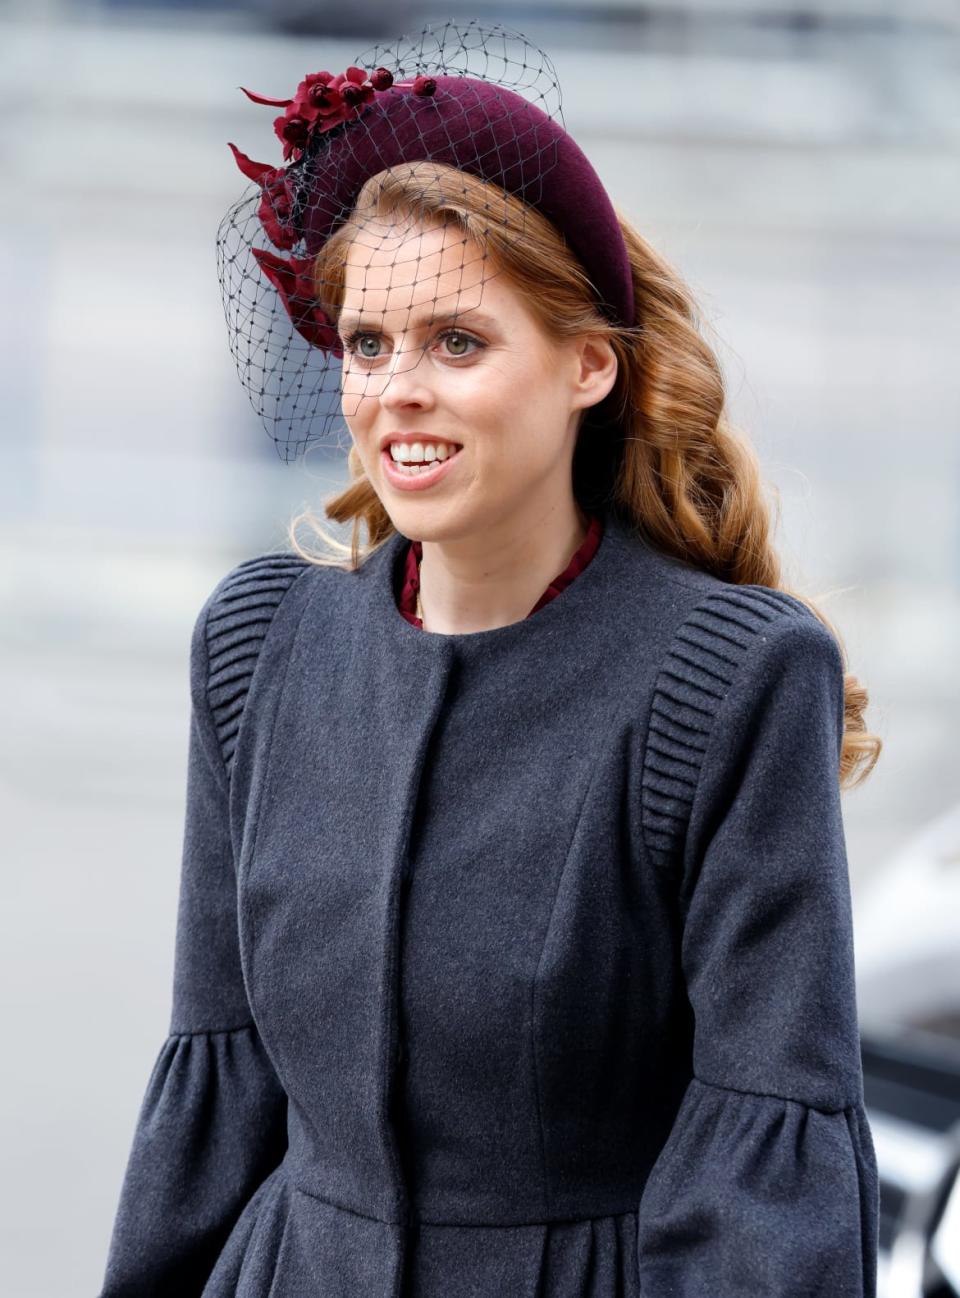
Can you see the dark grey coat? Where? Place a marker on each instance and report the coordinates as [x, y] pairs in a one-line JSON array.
[[516, 964]]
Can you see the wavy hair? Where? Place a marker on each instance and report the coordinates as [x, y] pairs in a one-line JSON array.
[[659, 449]]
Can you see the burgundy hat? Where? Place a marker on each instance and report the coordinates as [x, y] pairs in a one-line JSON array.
[[421, 101]]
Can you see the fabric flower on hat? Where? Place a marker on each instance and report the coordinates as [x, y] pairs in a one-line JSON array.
[[321, 102]]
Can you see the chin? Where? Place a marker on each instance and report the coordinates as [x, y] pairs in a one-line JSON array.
[[427, 522]]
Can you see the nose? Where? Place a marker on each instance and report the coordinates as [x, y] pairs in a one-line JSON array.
[[406, 380]]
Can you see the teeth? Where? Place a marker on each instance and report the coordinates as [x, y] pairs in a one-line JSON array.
[[420, 453]]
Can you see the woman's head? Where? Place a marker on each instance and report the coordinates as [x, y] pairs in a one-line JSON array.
[[446, 343], [631, 419]]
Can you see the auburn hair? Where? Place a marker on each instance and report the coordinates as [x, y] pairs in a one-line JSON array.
[[659, 449]]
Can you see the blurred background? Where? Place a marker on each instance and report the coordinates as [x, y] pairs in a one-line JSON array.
[[798, 162]]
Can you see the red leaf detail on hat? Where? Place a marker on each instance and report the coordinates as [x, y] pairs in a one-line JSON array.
[[291, 278], [263, 99], [276, 208], [252, 170], [276, 204]]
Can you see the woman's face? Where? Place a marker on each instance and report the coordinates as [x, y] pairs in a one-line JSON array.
[[445, 364]]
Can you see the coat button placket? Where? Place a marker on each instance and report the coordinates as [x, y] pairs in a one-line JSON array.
[[422, 679]]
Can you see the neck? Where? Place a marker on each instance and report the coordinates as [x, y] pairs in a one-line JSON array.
[[481, 582]]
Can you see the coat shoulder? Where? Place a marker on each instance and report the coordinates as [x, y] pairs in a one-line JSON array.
[[233, 625], [686, 597], [722, 638]]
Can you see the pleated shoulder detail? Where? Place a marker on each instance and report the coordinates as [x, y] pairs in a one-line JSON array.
[[700, 666], [239, 618]]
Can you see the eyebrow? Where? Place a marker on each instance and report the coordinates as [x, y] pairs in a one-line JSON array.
[[354, 322]]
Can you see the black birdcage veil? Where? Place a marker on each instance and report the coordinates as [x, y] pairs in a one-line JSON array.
[[389, 127]]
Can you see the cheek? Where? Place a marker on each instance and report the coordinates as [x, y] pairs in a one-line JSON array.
[[357, 419], [495, 396], [514, 448], [515, 408], [360, 414]]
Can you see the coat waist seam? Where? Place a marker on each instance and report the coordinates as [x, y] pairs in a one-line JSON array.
[[416, 1220]]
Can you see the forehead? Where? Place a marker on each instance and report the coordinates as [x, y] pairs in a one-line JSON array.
[[393, 268]]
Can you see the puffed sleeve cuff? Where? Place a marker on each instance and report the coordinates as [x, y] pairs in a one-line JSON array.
[[760, 1195], [212, 1125]]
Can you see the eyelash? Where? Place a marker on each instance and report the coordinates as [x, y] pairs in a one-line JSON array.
[[350, 342]]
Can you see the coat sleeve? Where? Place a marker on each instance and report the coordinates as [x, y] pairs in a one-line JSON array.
[[767, 1183], [212, 1122]]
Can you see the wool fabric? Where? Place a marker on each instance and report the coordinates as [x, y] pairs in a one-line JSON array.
[[517, 962]]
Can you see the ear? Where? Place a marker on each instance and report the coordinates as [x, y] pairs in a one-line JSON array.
[[595, 370]]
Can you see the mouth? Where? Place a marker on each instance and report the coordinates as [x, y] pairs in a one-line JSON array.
[[418, 474]]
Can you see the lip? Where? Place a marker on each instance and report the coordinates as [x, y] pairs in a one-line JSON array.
[[415, 481]]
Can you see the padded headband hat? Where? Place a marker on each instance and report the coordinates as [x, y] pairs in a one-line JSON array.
[[477, 98]]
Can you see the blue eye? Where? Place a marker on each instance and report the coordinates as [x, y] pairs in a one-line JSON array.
[[362, 339], [356, 340]]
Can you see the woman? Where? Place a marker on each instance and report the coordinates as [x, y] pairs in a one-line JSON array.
[[514, 951]]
